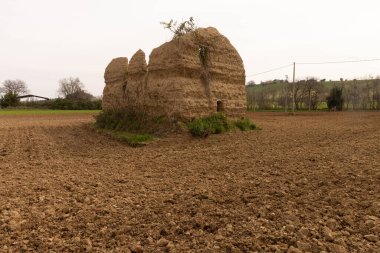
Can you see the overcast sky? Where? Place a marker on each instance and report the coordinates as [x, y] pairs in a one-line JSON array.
[[43, 41]]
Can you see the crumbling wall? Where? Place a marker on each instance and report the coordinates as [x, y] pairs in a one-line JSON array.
[[136, 81], [225, 72], [115, 76], [194, 75], [164, 89]]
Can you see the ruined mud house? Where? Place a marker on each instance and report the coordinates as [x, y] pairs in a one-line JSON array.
[[195, 75]]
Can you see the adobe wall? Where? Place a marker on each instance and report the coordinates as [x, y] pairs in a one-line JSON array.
[[186, 77], [115, 78], [136, 80]]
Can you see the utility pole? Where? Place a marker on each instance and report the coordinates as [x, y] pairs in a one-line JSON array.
[[294, 77]]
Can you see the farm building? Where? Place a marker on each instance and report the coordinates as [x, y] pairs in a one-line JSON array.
[[195, 75]]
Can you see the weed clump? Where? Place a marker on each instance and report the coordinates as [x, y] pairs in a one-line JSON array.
[[199, 128], [217, 124], [214, 124], [245, 124], [133, 140]]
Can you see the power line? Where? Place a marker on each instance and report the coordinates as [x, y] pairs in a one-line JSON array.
[[271, 70], [313, 63], [336, 62]]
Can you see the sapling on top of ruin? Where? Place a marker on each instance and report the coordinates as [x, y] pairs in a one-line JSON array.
[[187, 26], [180, 29]]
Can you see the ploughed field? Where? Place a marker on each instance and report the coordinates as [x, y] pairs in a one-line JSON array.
[[305, 183]]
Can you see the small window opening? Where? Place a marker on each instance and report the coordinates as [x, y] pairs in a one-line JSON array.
[[219, 106]]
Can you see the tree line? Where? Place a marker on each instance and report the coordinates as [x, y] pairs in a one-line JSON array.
[[314, 94], [72, 96]]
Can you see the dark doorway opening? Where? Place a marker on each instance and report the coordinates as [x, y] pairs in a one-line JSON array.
[[219, 106]]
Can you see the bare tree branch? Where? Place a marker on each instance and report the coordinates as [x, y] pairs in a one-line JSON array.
[[14, 87], [69, 86], [73, 89]]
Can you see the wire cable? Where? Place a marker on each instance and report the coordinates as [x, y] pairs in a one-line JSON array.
[[313, 63], [271, 70], [336, 62]]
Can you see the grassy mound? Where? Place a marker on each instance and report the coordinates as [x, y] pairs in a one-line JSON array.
[[132, 139], [133, 128], [133, 122], [137, 128], [245, 124], [214, 124]]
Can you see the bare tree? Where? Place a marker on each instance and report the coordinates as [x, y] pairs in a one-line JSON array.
[[314, 93], [369, 103], [355, 95], [70, 86], [364, 91], [14, 87], [251, 83], [250, 99], [299, 93], [310, 88], [318, 94], [73, 89], [376, 92], [283, 96], [346, 95]]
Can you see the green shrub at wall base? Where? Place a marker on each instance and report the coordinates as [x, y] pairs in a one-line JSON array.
[[217, 124], [245, 124], [214, 124], [199, 128], [133, 122]]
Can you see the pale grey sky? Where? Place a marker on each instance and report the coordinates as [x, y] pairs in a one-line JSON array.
[[43, 41]]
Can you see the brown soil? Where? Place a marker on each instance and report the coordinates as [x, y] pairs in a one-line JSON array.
[[305, 183]]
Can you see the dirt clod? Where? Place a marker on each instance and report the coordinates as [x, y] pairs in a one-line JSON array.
[[162, 242], [328, 234], [371, 238], [294, 250]]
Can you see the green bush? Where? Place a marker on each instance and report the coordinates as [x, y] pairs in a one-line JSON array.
[[245, 124], [217, 124], [214, 124], [199, 128], [335, 99], [9, 99]]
